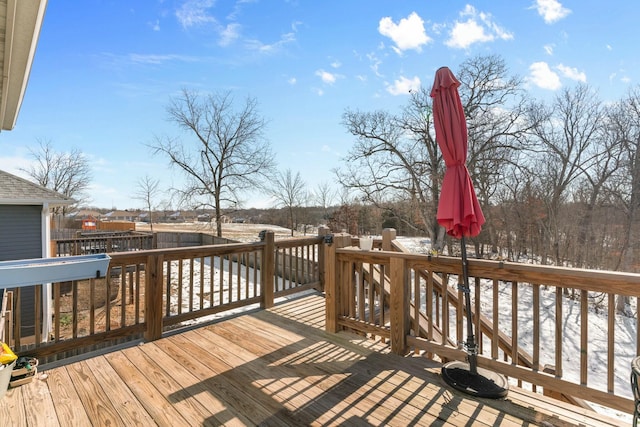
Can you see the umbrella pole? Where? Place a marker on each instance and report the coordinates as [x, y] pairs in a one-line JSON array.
[[472, 348], [467, 377]]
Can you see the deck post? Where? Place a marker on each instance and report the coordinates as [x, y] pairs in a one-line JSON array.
[[153, 293], [388, 235], [399, 306], [332, 286], [322, 231], [267, 270]]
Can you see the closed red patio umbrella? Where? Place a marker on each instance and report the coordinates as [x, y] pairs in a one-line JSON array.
[[458, 209], [460, 214]]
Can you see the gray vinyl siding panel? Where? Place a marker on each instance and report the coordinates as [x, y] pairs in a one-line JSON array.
[[20, 232], [21, 238]]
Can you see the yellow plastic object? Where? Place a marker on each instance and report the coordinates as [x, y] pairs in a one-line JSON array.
[[6, 354]]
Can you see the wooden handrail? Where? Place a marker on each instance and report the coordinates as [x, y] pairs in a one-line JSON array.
[[356, 282], [146, 292]]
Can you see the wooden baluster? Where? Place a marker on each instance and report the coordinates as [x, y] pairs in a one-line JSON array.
[[399, 305]]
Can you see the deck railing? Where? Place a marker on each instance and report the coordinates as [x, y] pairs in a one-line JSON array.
[[99, 244], [148, 292], [523, 316], [522, 313]]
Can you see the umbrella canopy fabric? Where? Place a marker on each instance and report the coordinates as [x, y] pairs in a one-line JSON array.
[[458, 209]]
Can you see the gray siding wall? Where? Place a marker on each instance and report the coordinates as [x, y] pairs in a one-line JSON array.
[[20, 238]]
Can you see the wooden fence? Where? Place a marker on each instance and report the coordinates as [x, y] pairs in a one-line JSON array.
[[167, 240]]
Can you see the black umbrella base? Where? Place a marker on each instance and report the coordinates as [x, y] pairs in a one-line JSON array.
[[484, 384]]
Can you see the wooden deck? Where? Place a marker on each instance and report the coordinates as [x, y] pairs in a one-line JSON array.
[[274, 367]]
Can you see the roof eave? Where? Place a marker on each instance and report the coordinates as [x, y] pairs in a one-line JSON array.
[[36, 202], [22, 30]]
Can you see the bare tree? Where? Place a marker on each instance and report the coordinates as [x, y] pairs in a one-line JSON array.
[[225, 153], [289, 192], [67, 173], [395, 159], [624, 122], [147, 190], [564, 134], [494, 103], [324, 194], [592, 192]]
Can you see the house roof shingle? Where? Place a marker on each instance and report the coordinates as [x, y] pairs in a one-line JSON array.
[[18, 191]]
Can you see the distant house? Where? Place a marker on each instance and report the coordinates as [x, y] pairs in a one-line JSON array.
[[84, 214], [144, 217], [25, 228], [205, 217], [120, 216], [176, 217]]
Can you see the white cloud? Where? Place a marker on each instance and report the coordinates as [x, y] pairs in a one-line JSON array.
[[548, 48], [542, 76], [624, 77], [551, 10], [327, 77], [295, 25], [273, 47], [464, 34], [336, 64], [404, 86], [479, 27], [572, 73], [159, 59], [292, 81], [229, 34], [438, 28], [408, 34], [374, 62], [194, 12]]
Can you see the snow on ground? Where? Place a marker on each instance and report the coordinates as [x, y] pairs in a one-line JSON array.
[[234, 287]]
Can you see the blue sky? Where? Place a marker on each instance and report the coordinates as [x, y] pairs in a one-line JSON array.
[[104, 71]]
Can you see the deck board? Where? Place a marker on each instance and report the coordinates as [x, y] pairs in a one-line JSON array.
[[270, 367], [124, 401], [95, 401], [65, 399]]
